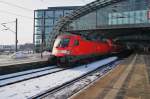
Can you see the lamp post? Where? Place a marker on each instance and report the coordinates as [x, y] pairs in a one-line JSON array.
[[7, 28], [43, 36], [16, 41]]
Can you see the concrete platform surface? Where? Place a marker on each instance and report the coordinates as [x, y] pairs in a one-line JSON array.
[[6, 60], [10, 65], [130, 80]]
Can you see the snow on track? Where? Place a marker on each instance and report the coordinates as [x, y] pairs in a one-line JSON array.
[[28, 76], [24, 72], [29, 88]]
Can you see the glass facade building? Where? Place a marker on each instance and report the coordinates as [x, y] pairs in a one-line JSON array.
[[100, 14], [125, 12], [44, 22]]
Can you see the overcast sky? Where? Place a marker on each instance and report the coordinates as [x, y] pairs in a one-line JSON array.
[[23, 10]]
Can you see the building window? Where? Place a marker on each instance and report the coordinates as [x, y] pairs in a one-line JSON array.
[[48, 22], [48, 30], [138, 18], [38, 42], [144, 16], [114, 18], [39, 14], [110, 19], [119, 18], [55, 21], [86, 22], [47, 36], [59, 14], [125, 18], [67, 12], [38, 36], [102, 17], [49, 14], [114, 21], [38, 22], [38, 30]]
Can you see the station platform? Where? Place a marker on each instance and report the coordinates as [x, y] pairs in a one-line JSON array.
[[129, 80], [11, 65]]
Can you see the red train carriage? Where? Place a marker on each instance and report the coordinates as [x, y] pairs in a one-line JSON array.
[[71, 48]]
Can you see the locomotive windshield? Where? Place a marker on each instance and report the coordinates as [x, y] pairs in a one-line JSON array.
[[62, 42]]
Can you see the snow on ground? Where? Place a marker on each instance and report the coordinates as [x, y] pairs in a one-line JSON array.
[[75, 87], [25, 72], [28, 76], [35, 86]]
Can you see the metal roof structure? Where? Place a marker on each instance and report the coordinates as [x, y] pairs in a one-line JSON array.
[[60, 27]]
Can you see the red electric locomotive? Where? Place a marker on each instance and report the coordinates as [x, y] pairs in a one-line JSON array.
[[70, 48]]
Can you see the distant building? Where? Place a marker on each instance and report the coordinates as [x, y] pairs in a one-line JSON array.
[[7, 48], [21, 47], [45, 20], [26, 47]]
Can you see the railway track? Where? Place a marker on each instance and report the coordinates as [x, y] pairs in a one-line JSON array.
[[129, 80], [54, 79], [26, 75], [94, 75]]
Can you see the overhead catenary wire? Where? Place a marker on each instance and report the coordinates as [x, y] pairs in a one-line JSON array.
[[7, 28], [17, 6], [14, 5], [8, 22], [28, 17]]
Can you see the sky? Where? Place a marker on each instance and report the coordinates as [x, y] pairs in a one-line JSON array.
[[23, 10]]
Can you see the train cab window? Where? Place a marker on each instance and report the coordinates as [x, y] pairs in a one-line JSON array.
[[76, 42], [64, 42]]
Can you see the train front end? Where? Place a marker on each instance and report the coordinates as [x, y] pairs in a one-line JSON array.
[[61, 46]]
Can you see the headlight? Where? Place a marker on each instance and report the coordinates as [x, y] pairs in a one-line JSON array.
[[63, 51]]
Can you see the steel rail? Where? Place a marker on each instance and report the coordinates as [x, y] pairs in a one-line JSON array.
[[58, 88], [13, 75], [12, 80]]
